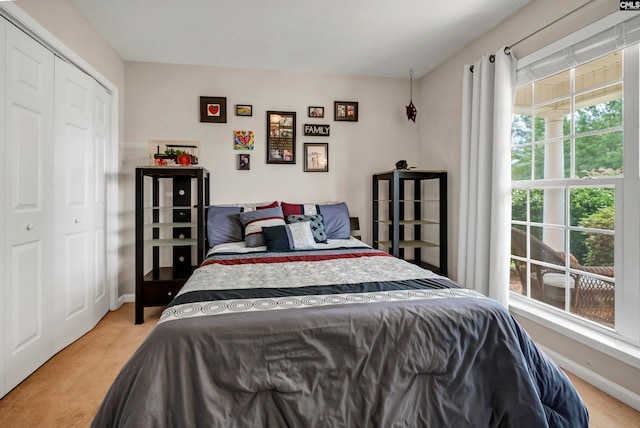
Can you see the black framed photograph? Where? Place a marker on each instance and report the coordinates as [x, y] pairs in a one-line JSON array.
[[316, 157], [345, 111], [213, 109], [281, 137], [315, 111], [244, 162], [244, 110]]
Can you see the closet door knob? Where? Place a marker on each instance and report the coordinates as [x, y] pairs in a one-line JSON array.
[[77, 220], [29, 226]]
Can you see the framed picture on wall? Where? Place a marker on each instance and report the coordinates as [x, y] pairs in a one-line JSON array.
[[244, 110], [316, 157], [243, 140], [345, 111], [244, 162], [213, 109], [281, 137], [315, 111]]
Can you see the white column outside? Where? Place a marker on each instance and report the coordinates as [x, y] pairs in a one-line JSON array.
[[554, 209]]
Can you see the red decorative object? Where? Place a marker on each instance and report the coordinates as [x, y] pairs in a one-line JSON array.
[[183, 159]]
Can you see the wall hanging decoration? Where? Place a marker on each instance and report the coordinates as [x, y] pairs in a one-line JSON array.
[[346, 111], [243, 140], [213, 109], [244, 110], [281, 137], [312, 130], [316, 157], [411, 109], [244, 162], [315, 111]]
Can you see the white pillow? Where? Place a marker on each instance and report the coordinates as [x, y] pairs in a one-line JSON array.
[[302, 236]]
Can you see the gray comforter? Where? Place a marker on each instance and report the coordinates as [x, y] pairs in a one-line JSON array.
[[320, 342]]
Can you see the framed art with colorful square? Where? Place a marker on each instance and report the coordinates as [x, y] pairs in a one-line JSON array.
[[243, 140]]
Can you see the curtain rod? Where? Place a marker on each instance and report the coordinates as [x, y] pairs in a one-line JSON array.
[[507, 50]]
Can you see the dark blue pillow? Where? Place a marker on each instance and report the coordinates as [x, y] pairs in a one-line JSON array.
[[288, 237], [277, 238]]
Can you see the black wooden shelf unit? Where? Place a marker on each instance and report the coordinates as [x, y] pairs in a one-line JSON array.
[[410, 213], [174, 221]]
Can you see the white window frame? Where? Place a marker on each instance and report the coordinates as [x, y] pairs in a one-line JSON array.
[[623, 343]]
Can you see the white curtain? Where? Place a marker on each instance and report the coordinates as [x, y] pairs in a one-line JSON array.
[[485, 198]]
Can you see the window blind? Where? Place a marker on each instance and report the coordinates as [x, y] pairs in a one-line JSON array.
[[621, 35]]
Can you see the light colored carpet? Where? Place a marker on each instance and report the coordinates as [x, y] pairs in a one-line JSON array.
[[68, 389]]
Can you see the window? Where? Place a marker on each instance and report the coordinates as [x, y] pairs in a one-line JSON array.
[[575, 163]]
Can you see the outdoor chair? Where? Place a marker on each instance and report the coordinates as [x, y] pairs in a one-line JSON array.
[[591, 297]]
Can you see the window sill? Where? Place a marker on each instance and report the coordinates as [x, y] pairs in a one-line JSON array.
[[599, 339]]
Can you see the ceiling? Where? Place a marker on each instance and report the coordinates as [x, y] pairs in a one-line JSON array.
[[356, 37]]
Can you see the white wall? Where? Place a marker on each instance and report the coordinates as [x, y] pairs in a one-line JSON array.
[[439, 113], [162, 103]]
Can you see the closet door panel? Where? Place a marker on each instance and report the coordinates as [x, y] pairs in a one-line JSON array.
[[28, 206], [3, 190], [74, 267], [26, 289], [101, 132]]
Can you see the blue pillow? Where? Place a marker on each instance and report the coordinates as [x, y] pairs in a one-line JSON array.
[[223, 224], [336, 220], [316, 223], [254, 221]]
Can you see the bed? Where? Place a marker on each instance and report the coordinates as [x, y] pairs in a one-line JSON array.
[[333, 334]]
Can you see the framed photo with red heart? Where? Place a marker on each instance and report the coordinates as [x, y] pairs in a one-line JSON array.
[[213, 109]]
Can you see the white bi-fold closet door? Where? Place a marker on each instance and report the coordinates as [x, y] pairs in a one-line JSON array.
[[53, 276], [81, 132]]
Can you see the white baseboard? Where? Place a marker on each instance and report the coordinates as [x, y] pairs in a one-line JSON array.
[[127, 298], [618, 392]]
